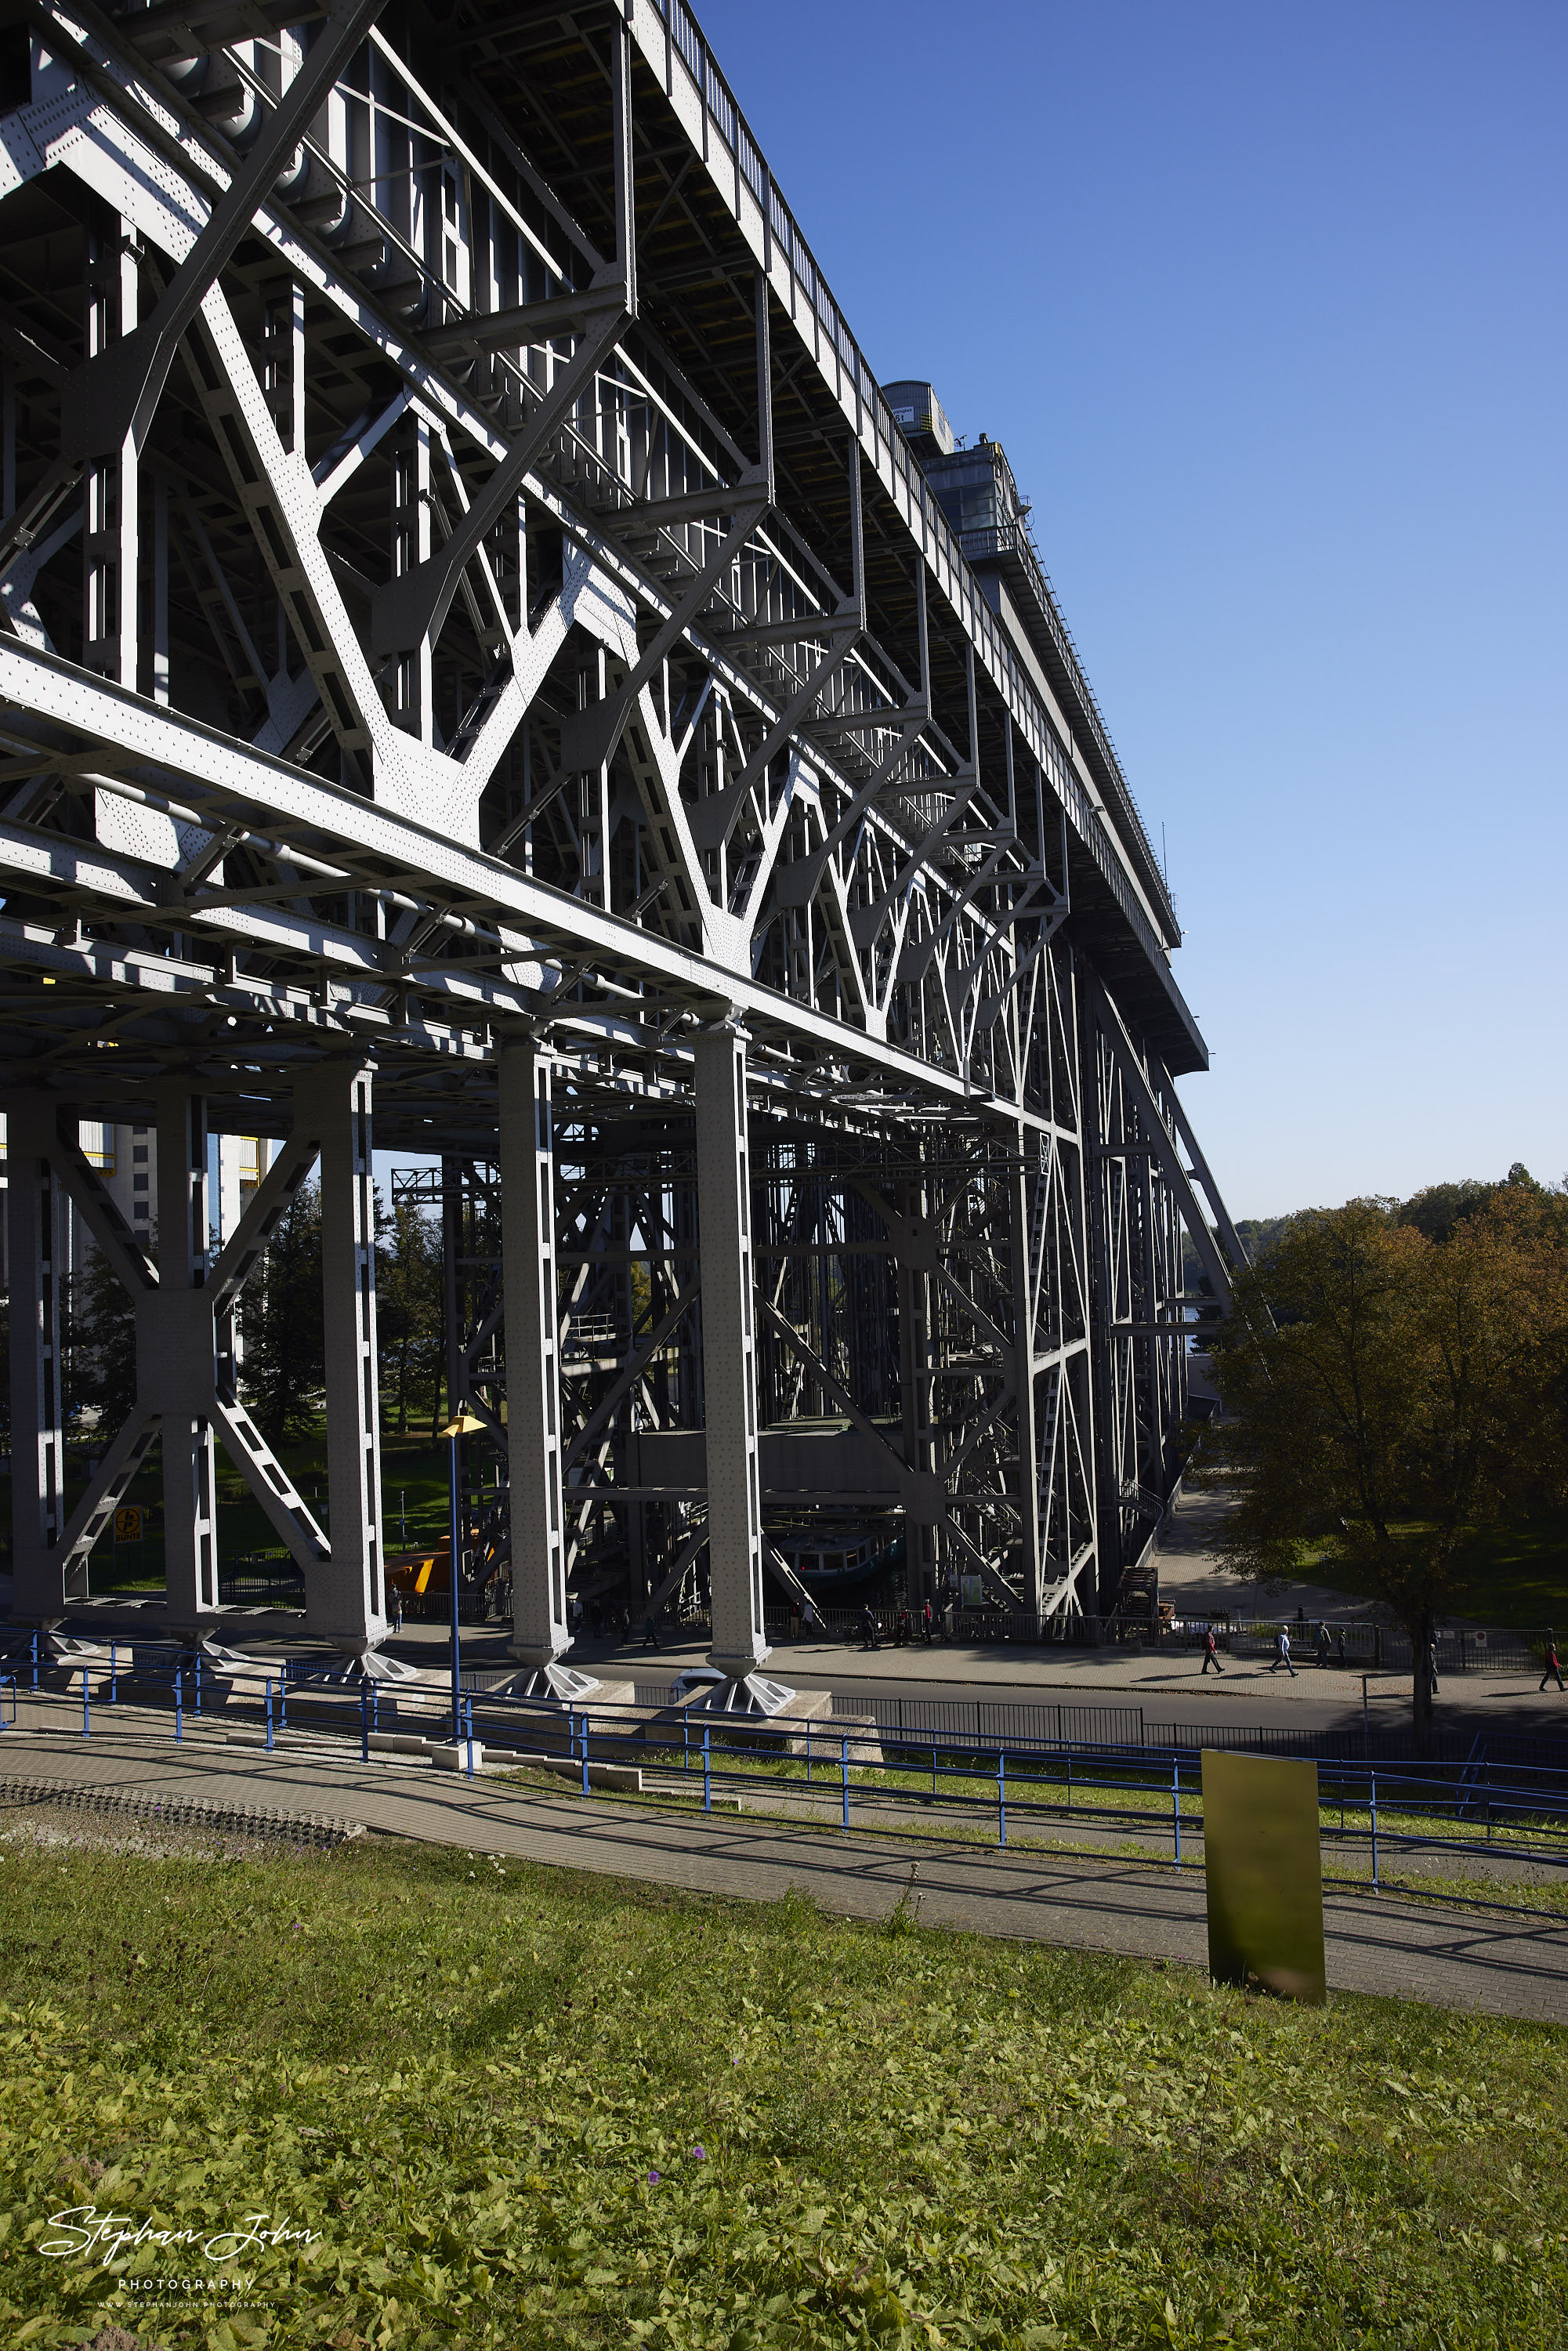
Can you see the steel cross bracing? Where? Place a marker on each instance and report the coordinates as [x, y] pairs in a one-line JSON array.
[[464, 605]]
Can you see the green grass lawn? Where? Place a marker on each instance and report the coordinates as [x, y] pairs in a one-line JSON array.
[[515, 2108], [1506, 1575]]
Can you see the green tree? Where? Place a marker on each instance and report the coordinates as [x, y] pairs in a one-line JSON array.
[[1388, 1394], [1442, 1208], [100, 1347], [408, 1310], [283, 1364]]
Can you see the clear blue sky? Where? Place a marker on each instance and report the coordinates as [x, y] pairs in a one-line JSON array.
[[1266, 304]]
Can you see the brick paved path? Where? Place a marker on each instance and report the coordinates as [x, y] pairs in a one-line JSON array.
[[1477, 1959]]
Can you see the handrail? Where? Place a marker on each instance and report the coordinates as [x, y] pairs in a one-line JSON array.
[[1028, 1781]]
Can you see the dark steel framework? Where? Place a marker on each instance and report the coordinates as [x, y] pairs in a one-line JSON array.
[[479, 657]]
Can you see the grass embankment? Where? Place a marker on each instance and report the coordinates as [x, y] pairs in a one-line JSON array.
[[522, 2109]]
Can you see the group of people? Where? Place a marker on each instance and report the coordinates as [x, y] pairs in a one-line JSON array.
[[920, 1624], [607, 1620], [1332, 1652], [924, 1623]]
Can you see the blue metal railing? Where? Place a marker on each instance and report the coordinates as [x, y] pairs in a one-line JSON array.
[[1015, 1783]]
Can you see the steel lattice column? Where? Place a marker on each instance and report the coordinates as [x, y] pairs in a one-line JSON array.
[[539, 1630], [923, 1497], [175, 1361], [34, 1215], [729, 1353], [347, 1598], [1022, 1184]]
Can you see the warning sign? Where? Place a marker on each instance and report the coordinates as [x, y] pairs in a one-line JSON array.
[[128, 1522]]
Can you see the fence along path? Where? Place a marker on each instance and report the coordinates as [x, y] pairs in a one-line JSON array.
[[1378, 1943]]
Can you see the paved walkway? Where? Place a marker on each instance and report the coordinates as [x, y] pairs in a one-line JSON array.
[[1472, 1960], [1168, 1685]]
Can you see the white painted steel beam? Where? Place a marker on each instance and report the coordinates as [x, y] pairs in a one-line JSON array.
[[32, 1241], [739, 1641], [540, 1631], [346, 1592]]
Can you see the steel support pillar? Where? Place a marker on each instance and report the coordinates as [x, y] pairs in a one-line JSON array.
[[729, 1353], [540, 1632], [175, 1361], [346, 1592], [35, 1220], [922, 1521], [1031, 1563]]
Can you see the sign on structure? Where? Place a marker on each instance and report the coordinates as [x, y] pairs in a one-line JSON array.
[[1264, 1870]]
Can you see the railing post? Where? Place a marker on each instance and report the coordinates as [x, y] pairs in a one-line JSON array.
[[198, 1681], [364, 1723], [934, 1769], [469, 1726], [585, 1752], [844, 1769], [685, 1743], [34, 1646], [1001, 1796], [269, 1714], [708, 1763], [1374, 1828], [283, 1697], [113, 1675], [86, 1709], [179, 1700], [1175, 1804], [808, 1753]]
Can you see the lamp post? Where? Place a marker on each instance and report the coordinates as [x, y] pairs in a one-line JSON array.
[[458, 1427]]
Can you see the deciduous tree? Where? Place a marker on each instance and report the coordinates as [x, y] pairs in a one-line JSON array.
[[408, 1310], [100, 1346], [1388, 1394], [284, 1368]]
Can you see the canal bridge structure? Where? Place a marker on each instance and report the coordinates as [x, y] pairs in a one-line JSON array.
[[486, 675]]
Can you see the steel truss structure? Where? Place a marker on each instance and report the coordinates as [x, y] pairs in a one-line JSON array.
[[481, 665]]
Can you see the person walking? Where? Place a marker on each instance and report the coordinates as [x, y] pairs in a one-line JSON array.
[[1210, 1652], [1553, 1670], [1432, 1665], [1282, 1653], [650, 1637], [869, 1629], [927, 1628]]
